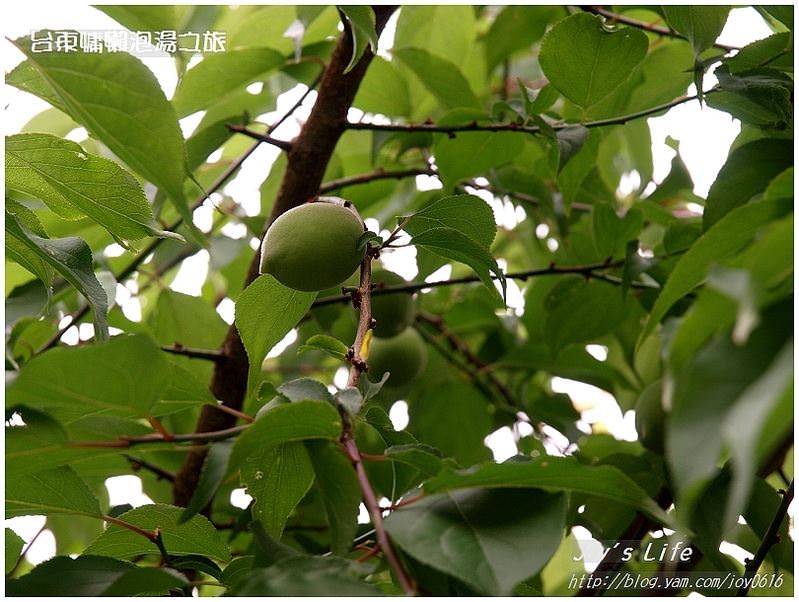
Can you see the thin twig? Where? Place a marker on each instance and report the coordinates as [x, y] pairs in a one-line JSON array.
[[769, 539], [242, 129], [138, 464], [589, 271], [357, 367], [26, 549], [211, 355], [650, 27], [378, 174], [125, 442], [151, 535], [475, 126]]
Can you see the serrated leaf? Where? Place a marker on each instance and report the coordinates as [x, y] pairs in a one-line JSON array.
[[211, 476], [121, 103], [56, 491], [197, 536], [466, 213], [700, 24], [341, 494], [452, 244], [442, 78], [265, 312], [61, 174], [362, 26], [612, 232], [727, 236], [490, 539], [221, 73], [124, 376], [92, 576], [325, 343], [553, 473], [277, 478], [14, 545], [70, 257], [287, 422], [427, 459], [305, 576], [586, 61]]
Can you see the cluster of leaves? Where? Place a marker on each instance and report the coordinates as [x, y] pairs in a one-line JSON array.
[[536, 108]]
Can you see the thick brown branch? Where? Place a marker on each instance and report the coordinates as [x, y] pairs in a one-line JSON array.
[[305, 167]]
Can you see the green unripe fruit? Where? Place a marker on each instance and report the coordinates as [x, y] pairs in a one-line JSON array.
[[650, 418], [404, 356], [313, 247], [392, 313]]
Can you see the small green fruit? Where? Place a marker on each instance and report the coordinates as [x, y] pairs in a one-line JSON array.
[[313, 247], [404, 356], [392, 313], [650, 418]]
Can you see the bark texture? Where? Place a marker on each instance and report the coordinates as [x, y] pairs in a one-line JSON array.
[[307, 161]]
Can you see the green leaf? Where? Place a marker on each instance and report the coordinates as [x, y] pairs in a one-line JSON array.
[[287, 422], [468, 214], [452, 244], [221, 73], [516, 28], [761, 53], [585, 61], [277, 478], [143, 17], [305, 576], [700, 24], [611, 232], [70, 257], [56, 491], [22, 249], [723, 239], [340, 491], [442, 78], [121, 103], [197, 536], [14, 545], [61, 174], [473, 153], [761, 97], [211, 476], [302, 389], [362, 26], [325, 343], [93, 576], [146, 580], [265, 312], [743, 428], [433, 423], [238, 569], [124, 376], [383, 90], [427, 459], [567, 321], [490, 539]]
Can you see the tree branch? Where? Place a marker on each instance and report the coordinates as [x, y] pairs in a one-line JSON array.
[[305, 167], [199, 437], [474, 126], [212, 355], [769, 539], [588, 271], [378, 174], [243, 129], [137, 464], [650, 27]]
